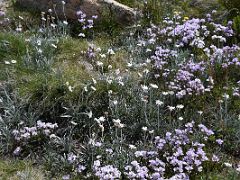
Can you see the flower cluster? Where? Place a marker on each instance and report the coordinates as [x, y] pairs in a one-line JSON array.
[[107, 172], [175, 155], [85, 23], [26, 133]]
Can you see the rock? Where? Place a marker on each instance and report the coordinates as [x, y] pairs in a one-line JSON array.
[[3, 5], [205, 6], [102, 8]]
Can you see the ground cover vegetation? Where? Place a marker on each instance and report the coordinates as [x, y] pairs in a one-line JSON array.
[[157, 100]]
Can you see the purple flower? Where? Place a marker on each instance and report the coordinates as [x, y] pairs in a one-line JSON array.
[[219, 141]]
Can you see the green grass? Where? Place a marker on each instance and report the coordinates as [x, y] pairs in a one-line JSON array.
[[19, 170]]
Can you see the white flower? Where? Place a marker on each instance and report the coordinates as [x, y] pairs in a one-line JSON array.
[[165, 93], [98, 49], [238, 168], [228, 164], [159, 103], [110, 52], [146, 71], [70, 88], [140, 75], [101, 127], [65, 22], [13, 61], [144, 128], [115, 102], [93, 88], [89, 114], [132, 146], [117, 71], [225, 96], [73, 123], [81, 35], [99, 63], [171, 92], [151, 132], [109, 66], [145, 88], [171, 108], [100, 120], [180, 118], [102, 55], [19, 29], [7, 62], [117, 123], [94, 81], [200, 112], [154, 86], [148, 50], [129, 64], [17, 151], [180, 106], [53, 45], [66, 116]]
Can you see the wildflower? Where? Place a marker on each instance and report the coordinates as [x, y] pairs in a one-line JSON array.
[[117, 123], [110, 52], [144, 88], [80, 168], [53, 45], [99, 63], [103, 56], [109, 150], [225, 96], [89, 114], [151, 132], [238, 168], [98, 144], [159, 103], [17, 151], [70, 88], [95, 17], [180, 118], [53, 136], [66, 177], [200, 112], [144, 128], [66, 116], [170, 108], [73, 123], [65, 22], [13, 61], [219, 141], [71, 158], [2, 13], [164, 93], [81, 35], [154, 86], [180, 106], [7, 62], [227, 164], [101, 127], [93, 88], [132, 146], [215, 158]]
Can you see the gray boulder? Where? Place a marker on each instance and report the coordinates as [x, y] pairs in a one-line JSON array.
[[102, 8]]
